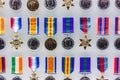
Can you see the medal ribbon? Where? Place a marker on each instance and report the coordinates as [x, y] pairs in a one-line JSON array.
[[2, 25], [85, 24], [17, 65], [50, 65], [103, 26], [2, 64], [50, 26], [16, 23], [68, 25], [102, 64], [67, 65], [85, 64], [117, 25], [33, 63], [33, 26], [116, 65]]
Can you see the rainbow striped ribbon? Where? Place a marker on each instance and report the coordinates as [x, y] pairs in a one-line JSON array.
[[116, 65], [102, 64], [17, 65], [33, 26], [50, 26], [16, 23], [85, 24], [103, 26], [2, 64], [33, 63], [67, 65], [2, 25], [117, 25], [50, 65]]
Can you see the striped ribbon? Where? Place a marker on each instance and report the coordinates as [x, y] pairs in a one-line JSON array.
[[50, 65], [16, 23], [117, 25], [50, 26], [103, 26], [85, 24], [17, 65], [102, 64], [33, 63], [2, 64], [2, 25], [67, 65], [116, 65], [85, 65], [68, 25], [33, 26]]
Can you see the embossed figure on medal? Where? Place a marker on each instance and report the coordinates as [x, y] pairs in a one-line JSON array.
[[68, 4]]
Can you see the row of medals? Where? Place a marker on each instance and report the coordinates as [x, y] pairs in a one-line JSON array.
[[33, 5]]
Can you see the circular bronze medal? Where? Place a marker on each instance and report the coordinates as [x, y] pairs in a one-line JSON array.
[[33, 43], [15, 4], [32, 5], [17, 78], [117, 3], [50, 4], [102, 43], [50, 44], [118, 78], [85, 4], [67, 43], [85, 78], [103, 4], [117, 43], [50, 78], [2, 78], [2, 43]]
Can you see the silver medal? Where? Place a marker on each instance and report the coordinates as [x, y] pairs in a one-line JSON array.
[[15, 4], [50, 4], [85, 4], [103, 4]]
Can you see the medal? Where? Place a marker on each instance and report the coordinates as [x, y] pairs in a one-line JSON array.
[[50, 4], [67, 66], [117, 3], [17, 65], [2, 44], [85, 4], [102, 65], [103, 4], [50, 78], [68, 4], [2, 64], [16, 25], [85, 25], [50, 29], [33, 63], [2, 3], [117, 43], [68, 27], [118, 78], [15, 4], [2, 78], [85, 67], [32, 5], [17, 78]]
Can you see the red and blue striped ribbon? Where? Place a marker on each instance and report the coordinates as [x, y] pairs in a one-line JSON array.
[[102, 64], [103, 26], [117, 25], [116, 65], [85, 24]]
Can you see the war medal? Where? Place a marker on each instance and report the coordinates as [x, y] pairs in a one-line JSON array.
[[103, 4], [85, 4], [17, 78], [50, 78], [2, 78], [67, 68], [2, 3], [50, 4], [102, 66], [33, 63], [16, 25], [15, 4], [117, 3], [68, 4], [85, 67], [50, 29], [118, 78], [85, 25], [68, 28], [32, 5]]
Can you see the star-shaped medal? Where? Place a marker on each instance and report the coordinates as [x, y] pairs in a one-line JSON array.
[[34, 76], [102, 78], [68, 3], [85, 42], [1, 3], [16, 41]]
